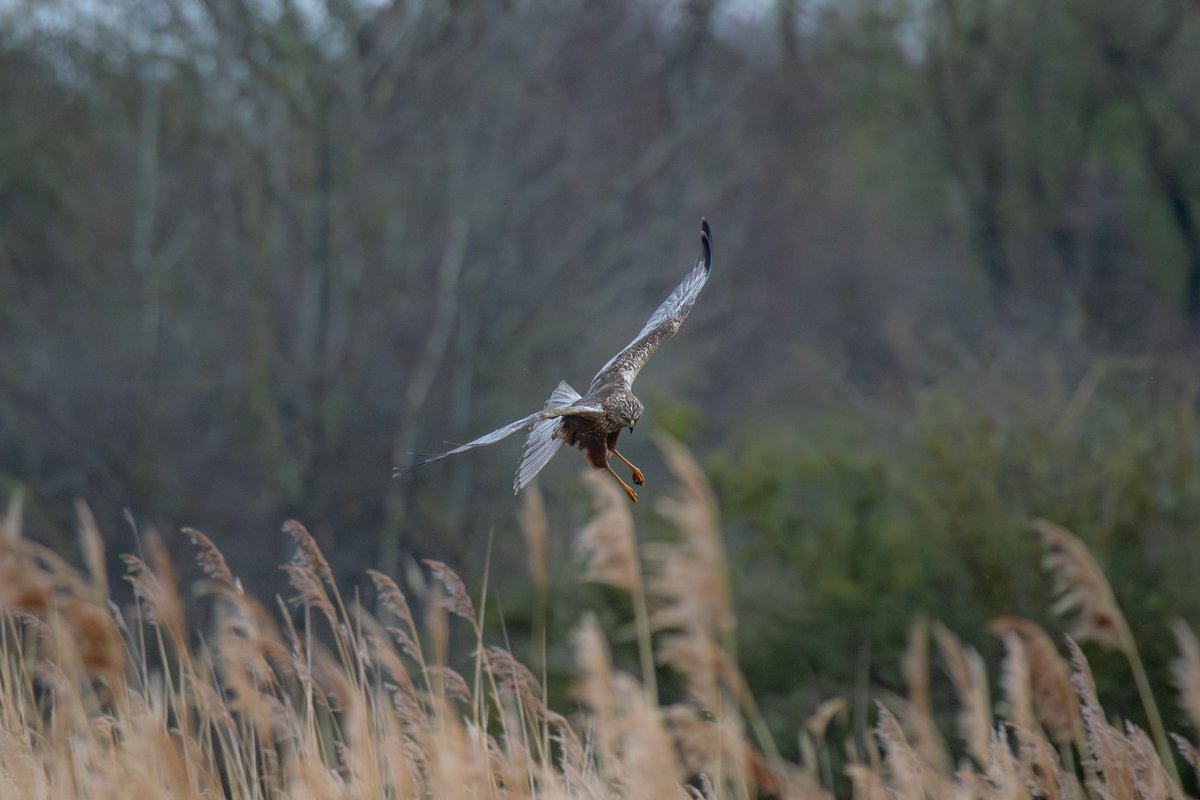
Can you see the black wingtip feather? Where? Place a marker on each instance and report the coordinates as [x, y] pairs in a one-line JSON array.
[[423, 460], [706, 242], [407, 469]]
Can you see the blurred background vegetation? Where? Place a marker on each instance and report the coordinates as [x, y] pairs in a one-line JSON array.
[[254, 252]]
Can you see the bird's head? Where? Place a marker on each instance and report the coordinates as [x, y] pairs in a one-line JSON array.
[[629, 411]]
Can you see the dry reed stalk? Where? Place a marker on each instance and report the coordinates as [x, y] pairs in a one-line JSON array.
[[576, 769], [360, 751], [532, 517], [867, 784], [1003, 777], [31, 557], [263, 632], [311, 592], [915, 665], [1037, 765], [96, 639], [511, 765], [697, 740], [175, 774], [533, 524], [92, 545], [26, 777], [332, 681], [904, 767], [1054, 701], [917, 713], [310, 573], [1149, 777], [58, 671], [458, 768], [819, 720], [207, 701], [24, 587], [607, 546], [649, 765], [577, 773], [1106, 761], [307, 551], [211, 561], [717, 750], [1017, 685], [814, 749], [242, 658], [1084, 594], [1190, 753], [513, 677], [160, 606], [689, 587], [455, 600], [392, 599], [437, 631], [689, 595], [307, 778], [244, 694], [410, 646], [965, 667], [595, 688], [401, 772], [10, 526], [798, 784], [170, 604], [378, 653], [1185, 669]]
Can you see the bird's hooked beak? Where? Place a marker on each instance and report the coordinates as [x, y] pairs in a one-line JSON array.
[[632, 422]]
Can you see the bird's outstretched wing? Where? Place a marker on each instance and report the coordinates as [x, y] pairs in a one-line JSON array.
[[549, 413], [542, 442], [663, 323]]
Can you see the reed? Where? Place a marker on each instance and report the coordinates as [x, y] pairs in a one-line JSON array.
[[320, 699]]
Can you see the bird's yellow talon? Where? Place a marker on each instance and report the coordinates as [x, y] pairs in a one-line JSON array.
[[638, 477], [632, 494]]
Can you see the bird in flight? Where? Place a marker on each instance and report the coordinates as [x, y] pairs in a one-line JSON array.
[[592, 422]]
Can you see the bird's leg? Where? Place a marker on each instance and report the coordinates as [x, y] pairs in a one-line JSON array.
[[632, 494], [638, 477]]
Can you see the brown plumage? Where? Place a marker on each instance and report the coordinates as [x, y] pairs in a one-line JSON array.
[[593, 421]]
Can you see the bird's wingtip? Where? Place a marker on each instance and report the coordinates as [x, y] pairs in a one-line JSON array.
[[706, 242], [421, 460]]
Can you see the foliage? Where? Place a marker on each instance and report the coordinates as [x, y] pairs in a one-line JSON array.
[[856, 529]]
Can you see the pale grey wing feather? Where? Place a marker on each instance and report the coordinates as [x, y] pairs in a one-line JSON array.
[[548, 413], [665, 321], [487, 438], [543, 440]]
